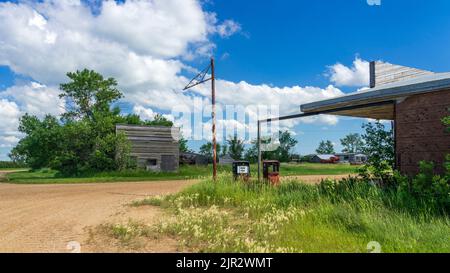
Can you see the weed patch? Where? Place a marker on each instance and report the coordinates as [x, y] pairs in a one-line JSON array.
[[228, 216]]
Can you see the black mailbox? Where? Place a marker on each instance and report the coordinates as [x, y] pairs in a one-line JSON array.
[[241, 169]]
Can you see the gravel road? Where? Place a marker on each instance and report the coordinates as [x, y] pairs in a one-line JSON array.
[[44, 218]]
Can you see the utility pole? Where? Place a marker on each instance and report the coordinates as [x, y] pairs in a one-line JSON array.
[[199, 79], [213, 116]]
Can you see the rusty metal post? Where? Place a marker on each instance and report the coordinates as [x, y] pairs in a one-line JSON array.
[[213, 115]]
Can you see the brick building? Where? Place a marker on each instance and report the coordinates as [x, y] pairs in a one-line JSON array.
[[414, 100]]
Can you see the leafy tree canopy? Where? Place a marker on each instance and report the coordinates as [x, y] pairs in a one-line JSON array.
[[236, 147], [325, 147], [207, 150], [224, 150], [379, 143], [352, 143], [88, 93], [38, 148], [379, 147], [184, 148], [283, 152]]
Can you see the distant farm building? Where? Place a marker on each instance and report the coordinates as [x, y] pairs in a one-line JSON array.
[[414, 100], [189, 158], [226, 160], [352, 158], [154, 148], [324, 159]]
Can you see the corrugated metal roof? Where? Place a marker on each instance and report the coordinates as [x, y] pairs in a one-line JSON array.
[[325, 157], [391, 91]]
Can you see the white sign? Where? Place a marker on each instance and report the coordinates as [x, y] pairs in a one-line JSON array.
[[242, 169]]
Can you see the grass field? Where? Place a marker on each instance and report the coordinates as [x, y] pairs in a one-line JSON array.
[[295, 217], [315, 169], [47, 176]]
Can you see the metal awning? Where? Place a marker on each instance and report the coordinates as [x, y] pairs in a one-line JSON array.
[[377, 102]]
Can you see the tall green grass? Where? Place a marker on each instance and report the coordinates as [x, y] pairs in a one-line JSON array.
[[295, 217], [47, 176]]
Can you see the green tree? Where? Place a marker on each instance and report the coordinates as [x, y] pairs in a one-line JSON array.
[[282, 153], [251, 154], [41, 141], [131, 119], [184, 148], [379, 147], [352, 143], [85, 140], [287, 143], [236, 147], [207, 150], [325, 147], [88, 94], [224, 150], [90, 140], [159, 120], [77, 149]]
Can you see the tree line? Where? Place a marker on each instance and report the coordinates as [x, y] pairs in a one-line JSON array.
[[377, 142], [375, 133], [235, 148]]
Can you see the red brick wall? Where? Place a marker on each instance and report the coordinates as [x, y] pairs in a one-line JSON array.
[[420, 132]]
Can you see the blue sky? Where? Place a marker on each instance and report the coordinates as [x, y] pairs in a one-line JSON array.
[[281, 44], [291, 42]]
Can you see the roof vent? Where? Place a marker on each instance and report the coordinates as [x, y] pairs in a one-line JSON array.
[[383, 73]]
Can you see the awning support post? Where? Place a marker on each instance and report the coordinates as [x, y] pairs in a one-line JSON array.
[[259, 150]]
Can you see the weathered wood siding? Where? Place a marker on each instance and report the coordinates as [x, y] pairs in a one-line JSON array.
[[149, 143], [388, 73], [420, 132]]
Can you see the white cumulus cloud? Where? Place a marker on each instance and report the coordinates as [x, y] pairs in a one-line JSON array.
[[35, 99], [9, 122], [228, 28], [356, 75], [141, 43]]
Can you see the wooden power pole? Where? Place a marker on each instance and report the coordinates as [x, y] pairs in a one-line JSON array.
[[199, 79], [213, 116]]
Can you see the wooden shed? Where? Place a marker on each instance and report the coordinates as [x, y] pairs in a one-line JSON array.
[[414, 100], [155, 148]]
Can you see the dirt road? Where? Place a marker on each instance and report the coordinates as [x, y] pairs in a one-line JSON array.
[[45, 218]]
